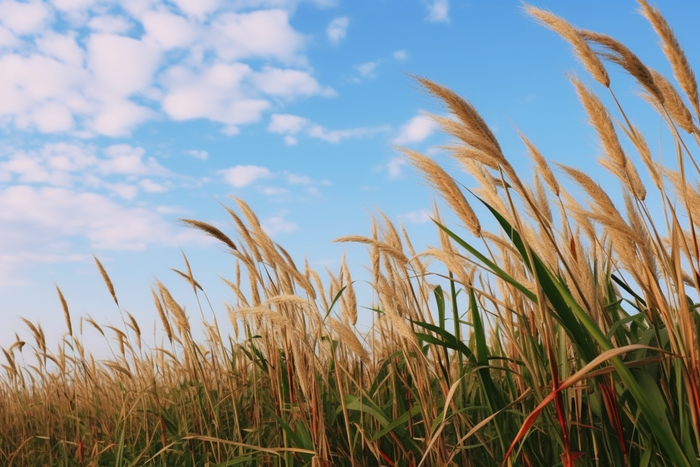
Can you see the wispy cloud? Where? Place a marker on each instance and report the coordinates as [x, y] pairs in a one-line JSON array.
[[400, 55], [417, 217], [278, 224], [438, 10], [198, 154], [395, 167], [367, 69], [291, 126], [266, 181], [337, 29]]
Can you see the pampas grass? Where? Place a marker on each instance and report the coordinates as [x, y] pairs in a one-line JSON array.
[[567, 335]]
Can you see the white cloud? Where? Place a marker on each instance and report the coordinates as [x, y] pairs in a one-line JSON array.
[[367, 69], [118, 117], [285, 123], [214, 94], [438, 10], [24, 18], [72, 5], [276, 225], [284, 4], [294, 179], [127, 159], [293, 125], [198, 8], [244, 175], [53, 117], [416, 130], [28, 84], [123, 190], [34, 216], [109, 24], [62, 47], [149, 186], [189, 62], [7, 38], [418, 217], [261, 34], [395, 167], [288, 83], [274, 191], [65, 165], [167, 30], [198, 154], [336, 136], [337, 29], [121, 65], [400, 55]]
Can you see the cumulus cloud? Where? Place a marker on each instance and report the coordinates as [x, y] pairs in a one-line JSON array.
[[110, 24], [38, 214], [262, 33], [167, 30], [72, 5], [59, 199], [204, 59], [416, 130], [116, 168], [198, 8], [288, 83], [244, 175], [24, 18], [337, 29], [121, 65], [62, 47], [287, 124], [42, 224], [438, 10]]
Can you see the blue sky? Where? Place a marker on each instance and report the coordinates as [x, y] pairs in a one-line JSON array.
[[119, 117]]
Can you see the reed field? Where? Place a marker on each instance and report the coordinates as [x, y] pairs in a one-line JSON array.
[[567, 335]]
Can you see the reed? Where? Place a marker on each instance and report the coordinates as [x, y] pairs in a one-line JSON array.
[[568, 335]]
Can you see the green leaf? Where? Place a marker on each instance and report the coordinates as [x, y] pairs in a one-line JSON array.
[[403, 418]]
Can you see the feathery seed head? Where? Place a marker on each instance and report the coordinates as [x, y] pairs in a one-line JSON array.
[[585, 54]]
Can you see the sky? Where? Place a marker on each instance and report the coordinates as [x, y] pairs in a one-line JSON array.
[[120, 117]]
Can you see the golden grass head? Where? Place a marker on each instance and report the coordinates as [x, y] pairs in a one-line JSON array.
[[478, 134], [447, 187], [106, 279], [583, 51], [211, 230], [674, 53], [66, 312], [620, 54]]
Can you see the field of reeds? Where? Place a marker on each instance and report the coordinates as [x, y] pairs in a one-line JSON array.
[[566, 336]]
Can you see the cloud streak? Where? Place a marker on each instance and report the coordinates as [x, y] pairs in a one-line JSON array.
[[291, 126]]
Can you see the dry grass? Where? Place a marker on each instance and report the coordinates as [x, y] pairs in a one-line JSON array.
[[566, 336]]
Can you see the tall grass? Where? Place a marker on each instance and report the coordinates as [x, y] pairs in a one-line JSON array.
[[569, 336]]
